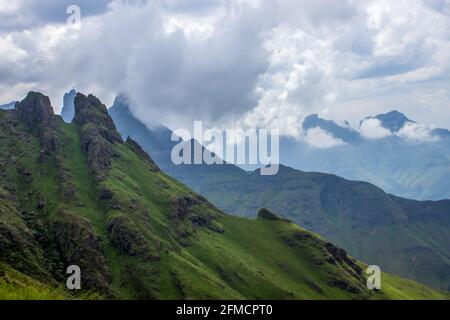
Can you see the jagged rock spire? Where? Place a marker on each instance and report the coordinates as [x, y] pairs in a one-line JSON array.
[[98, 133], [90, 110], [36, 112]]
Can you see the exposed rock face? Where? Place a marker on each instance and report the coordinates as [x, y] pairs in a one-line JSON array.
[[346, 285], [18, 246], [105, 194], [182, 205], [15, 246], [90, 110], [346, 275], [189, 213], [79, 246], [97, 132], [340, 255], [268, 215], [99, 153], [36, 112], [127, 238]]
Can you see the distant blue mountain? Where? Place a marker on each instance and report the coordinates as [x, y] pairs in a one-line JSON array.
[[157, 141], [68, 109], [393, 121], [411, 170], [357, 215], [8, 106], [441, 132], [345, 134], [401, 167], [156, 138]]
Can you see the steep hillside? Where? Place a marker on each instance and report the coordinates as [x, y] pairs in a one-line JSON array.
[[413, 170], [406, 237], [78, 194]]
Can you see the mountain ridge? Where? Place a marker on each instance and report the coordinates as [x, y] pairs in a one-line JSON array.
[[244, 193], [97, 202], [8, 106], [393, 120]]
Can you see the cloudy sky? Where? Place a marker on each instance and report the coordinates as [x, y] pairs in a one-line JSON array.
[[235, 63]]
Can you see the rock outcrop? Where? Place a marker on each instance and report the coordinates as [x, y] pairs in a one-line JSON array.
[[18, 246], [79, 246], [339, 255], [36, 112], [98, 133], [127, 239], [90, 110], [268, 215]]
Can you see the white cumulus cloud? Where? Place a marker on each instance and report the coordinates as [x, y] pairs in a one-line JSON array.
[[372, 128], [321, 139], [417, 132], [248, 62]]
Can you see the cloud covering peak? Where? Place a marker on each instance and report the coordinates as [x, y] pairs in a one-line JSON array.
[[245, 63]]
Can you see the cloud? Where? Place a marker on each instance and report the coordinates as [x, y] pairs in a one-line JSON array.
[[208, 77], [173, 72], [321, 139], [372, 128], [416, 132], [195, 7], [16, 15], [233, 62]]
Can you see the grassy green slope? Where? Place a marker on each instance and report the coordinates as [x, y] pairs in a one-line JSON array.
[[18, 286], [139, 234], [405, 237], [251, 259]]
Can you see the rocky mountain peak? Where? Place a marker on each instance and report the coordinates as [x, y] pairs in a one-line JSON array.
[[345, 134], [90, 110], [36, 111], [312, 117], [98, 133], [393, 120], [122, 104]]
